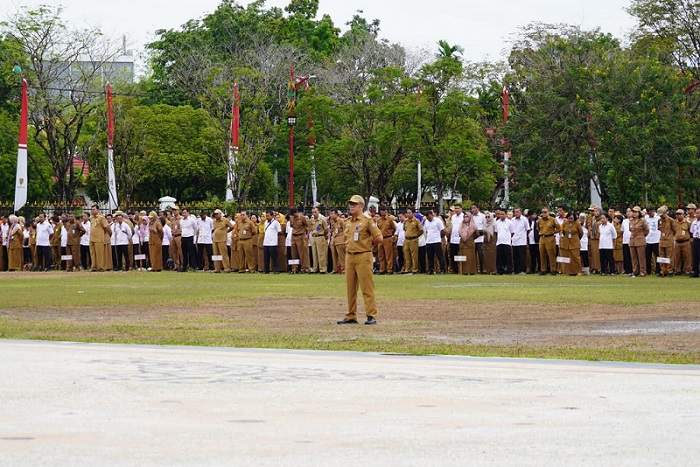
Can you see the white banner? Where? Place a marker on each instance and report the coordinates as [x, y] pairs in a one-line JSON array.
[[217, 258], [460, 259], [293, 262], [663, 260], [230, 176], [561, 259], [66, 257], [21, 179], [139, 257], [111, 181]]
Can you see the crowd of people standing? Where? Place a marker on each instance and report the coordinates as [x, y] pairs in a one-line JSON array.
[[637, 242]]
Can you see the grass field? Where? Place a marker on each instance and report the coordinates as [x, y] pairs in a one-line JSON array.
[[592, 318]]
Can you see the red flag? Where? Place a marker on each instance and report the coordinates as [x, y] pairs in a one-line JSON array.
[[110, 118], [24, 117], [235, 118]]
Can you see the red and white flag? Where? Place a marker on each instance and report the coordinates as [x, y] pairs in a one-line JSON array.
[[233, 147], [21, 180], [111, 176]]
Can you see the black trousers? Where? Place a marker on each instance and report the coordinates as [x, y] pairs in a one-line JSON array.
[[652, 249], [270, 254], [584, 259], [479, 248], [519, 258], [607, 261], [435, 249], [454, 251], [399, 258], [535, 258], [627, 258], [122, 257], [85, 256], [422, 253], [696, 257], [43, 254], [207, 248], [189, 256], [503, 259]]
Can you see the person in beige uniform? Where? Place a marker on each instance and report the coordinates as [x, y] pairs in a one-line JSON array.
[[244, 232], [99, 230], [547, 226], [56, 241], [319, 241], [639, 229], [387, 225], [683, 253], [413, 229], [75, 231], [666, 227], [337, 242], [300, 240], [570, 245], [361, 233], [155, 242], [15, 238], [176, 242], [592, 223], [222, 226]]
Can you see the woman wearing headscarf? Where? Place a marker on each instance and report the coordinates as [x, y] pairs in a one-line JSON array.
[[570, 245], [467, 234], [15, 238], [489, 244], [155, 242], [639, 229], [144, 234], [617, 245]]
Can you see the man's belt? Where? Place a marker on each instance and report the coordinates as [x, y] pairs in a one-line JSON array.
[[298, 235], [177, 235], [244, 239], [357, 252], [319, 235], [682, 241], [387, 236], [546, 235], [411, 238]]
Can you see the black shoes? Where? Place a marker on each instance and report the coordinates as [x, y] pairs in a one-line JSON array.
[[347, 321], [371, 320]]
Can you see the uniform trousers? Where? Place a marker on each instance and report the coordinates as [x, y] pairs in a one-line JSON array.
[[479, 249], [338, 253], [683, 256], [319, 247], [14, 257], [593, 253], [282, 252], [97, 254], [665, 251], [358, 273], [245, 249], [410, 255], [639, 265], [220, 249], [156, 255], [74, 251], [385, 251], [176, 251], [261, 253], [548, 255], [300, 251]]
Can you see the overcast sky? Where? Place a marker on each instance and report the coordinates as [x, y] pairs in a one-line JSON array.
[[482, 28]]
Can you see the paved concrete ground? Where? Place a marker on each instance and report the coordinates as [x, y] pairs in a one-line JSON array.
[[94, 404]]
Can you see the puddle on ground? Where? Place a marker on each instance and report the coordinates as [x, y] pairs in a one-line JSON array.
[[652, 327]]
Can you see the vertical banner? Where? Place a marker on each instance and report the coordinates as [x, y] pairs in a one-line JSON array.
[[21, 179], [506, 154], [312, 146], [419, 174], [233, 147], [111, 176]]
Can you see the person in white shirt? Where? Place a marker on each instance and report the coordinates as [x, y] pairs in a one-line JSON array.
[[479, 219], [85, 242], [400, 239], [188, 223], [167, 239], [272, 229], [44, 232], [695, 234], [626, 235], [653, 239], [533, 241], [521, 227], [456, 220], [288, 242], [586, 269], [504, 229], [608, 234], [205, 241], [121, 233], [434, 230], [4, 231]]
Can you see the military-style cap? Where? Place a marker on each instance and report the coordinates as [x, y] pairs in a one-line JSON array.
[[175, 207], [691, 206], [592, 207], [583, 214], [152, 214], [218, 211], [357, 199], [118, 213], [637, 208], [680, 211], [662, 209]]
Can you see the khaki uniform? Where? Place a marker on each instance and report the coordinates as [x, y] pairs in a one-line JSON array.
[[666, 243], [639, 229], [221, 229], [338, 245], [683, 253], [244, 232], [387, 225], [300, 242], [592, 224], [14, 250], [176, 242], [570, 247], [75, 230], [413, 229], [261, 247], [319, 243], [155, 244], [548, 247], [359, 235], [254, 242], [99, 229], [56, 245]]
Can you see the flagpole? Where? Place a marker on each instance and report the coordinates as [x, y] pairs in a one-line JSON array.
[[21, 178], [231, 180], [111, 177]]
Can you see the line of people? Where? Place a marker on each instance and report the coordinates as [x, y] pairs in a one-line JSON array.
[[638, 243]]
